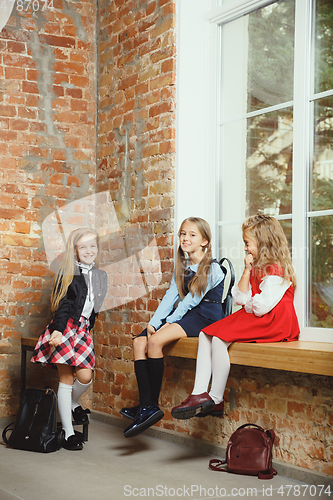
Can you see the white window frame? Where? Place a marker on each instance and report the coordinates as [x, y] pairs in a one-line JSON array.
[[198, 162]]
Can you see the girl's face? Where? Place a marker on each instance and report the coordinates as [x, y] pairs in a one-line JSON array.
[[86, 249], [190, 238], [250, 246]]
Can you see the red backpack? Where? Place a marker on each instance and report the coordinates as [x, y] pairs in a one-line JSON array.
[[249, 452]]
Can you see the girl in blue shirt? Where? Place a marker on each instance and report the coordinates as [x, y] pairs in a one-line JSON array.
[[193, 301]]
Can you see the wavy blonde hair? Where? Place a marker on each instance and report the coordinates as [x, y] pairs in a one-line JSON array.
[[272, 245], [65, 273], [199, 281]]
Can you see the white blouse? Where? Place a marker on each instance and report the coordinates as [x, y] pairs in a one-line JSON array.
[[272, 289]]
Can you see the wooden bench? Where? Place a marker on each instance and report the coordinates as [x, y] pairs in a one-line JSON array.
[[299, 356], [28, 344]]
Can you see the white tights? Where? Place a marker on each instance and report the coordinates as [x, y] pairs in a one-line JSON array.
[[212, 362]]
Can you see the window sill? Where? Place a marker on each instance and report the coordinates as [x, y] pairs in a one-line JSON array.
[[299, 356]]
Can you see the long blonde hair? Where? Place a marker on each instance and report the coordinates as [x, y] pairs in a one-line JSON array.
[[199, 281], [272, 245], [65, 273]]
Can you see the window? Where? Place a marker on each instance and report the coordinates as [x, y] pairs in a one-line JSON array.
[[275, 139]]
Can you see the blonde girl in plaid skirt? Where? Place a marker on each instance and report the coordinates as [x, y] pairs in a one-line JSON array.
[[78, 292]]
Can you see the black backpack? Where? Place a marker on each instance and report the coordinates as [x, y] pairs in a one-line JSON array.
[[35, 428]]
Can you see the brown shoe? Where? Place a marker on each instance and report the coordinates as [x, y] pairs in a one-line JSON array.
[[217, 411], [194, 404]]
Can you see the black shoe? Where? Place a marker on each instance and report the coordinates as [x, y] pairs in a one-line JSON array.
[[146, 417], [73, 443], [79, 435], [130, 412], [80, 415]]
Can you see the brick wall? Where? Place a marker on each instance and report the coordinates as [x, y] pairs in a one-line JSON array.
[[136, 163], [47, 155]]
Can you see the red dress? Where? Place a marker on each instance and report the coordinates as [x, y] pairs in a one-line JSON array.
[[279, 324]]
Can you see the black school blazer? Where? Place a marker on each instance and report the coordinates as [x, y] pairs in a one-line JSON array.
[[71, 306]]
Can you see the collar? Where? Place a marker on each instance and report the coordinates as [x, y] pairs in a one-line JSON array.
[[85, 268]]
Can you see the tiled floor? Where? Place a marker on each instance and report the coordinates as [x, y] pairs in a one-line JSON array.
[[111, 467]]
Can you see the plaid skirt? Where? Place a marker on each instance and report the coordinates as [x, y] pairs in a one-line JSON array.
[[76, 348]]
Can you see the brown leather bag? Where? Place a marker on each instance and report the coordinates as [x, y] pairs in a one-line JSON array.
[[249, 452]]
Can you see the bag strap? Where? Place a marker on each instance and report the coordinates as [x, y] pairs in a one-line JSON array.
[[267, 474], [232, 272], [271, 434], [4, 432], [247, 425], [215, 463]]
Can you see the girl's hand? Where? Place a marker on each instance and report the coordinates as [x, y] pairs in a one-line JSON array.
[[150, 331], [56, 338], [248, 261], [244, 282]]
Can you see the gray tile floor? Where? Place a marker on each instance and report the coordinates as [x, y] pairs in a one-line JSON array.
[[111, 467]]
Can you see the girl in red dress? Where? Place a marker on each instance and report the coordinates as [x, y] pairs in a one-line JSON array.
[[265, 292]]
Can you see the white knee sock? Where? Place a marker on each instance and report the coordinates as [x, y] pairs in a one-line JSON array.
[[203, 370], [78, 390], [220, 369], [64, 407]]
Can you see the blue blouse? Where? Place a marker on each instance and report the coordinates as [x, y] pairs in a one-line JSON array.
[[188, 302]]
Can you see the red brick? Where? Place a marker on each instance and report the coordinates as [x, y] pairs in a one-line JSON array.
[[76, 93], [32, 75], [19, 125], [30, 87], [10, 267], [6, 110], [79, 81], [22, 227], [19, 61], [27, 296], [130, 81], [35, 270], [79, 105], [168, 67], [69, 67], [167, 147], [58, 41], [58, 78], [15, 99], [10, 214], [23, 241], [24, 112], [160, 109], [37, 127], [32, 100], [150, 8], [67, 117], [58, 91], [14, 73]]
